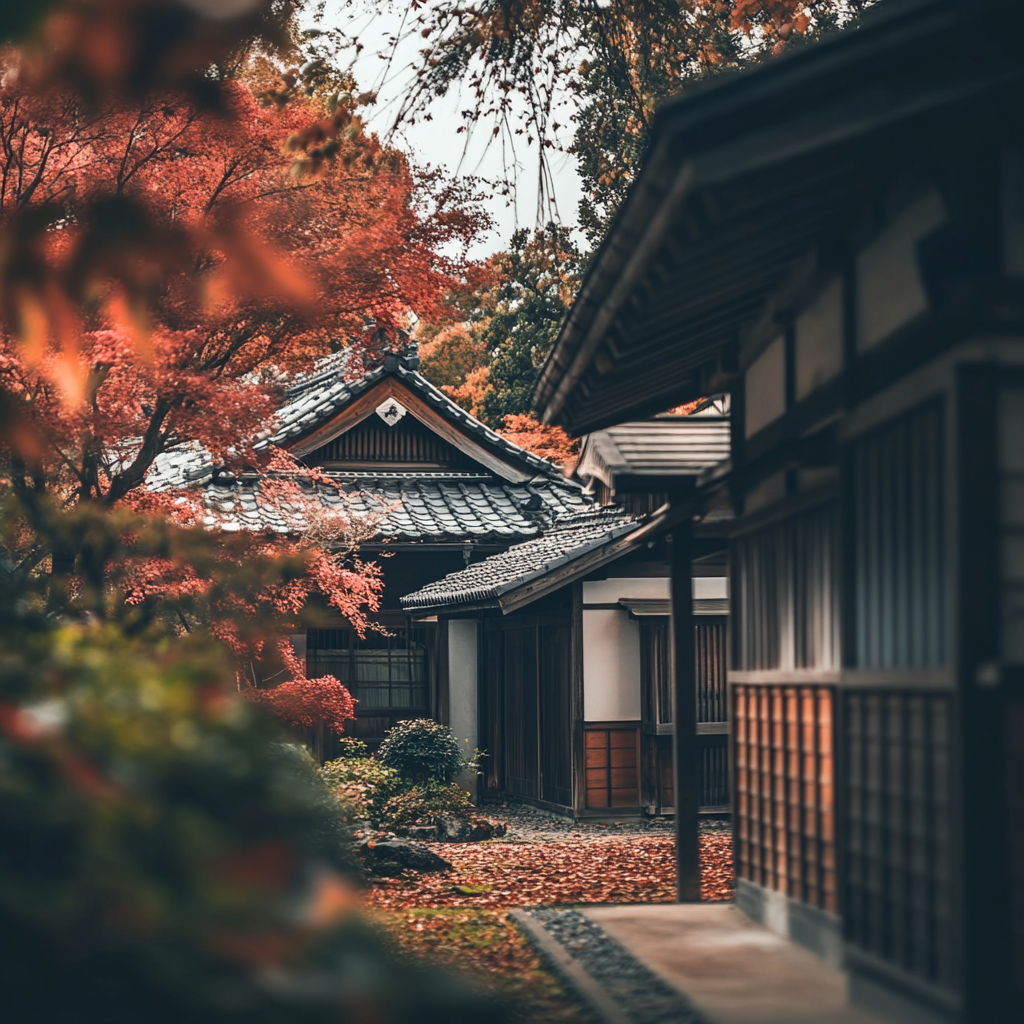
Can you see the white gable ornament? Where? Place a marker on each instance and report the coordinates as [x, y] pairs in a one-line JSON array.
[[391, 411]]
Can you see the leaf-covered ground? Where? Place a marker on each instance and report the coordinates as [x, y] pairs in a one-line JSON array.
[[459, 917], [633, 869]]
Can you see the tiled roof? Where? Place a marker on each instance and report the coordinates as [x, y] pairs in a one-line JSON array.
[[316, 398], [569, 538], [435, 506], [671, 446], [441, 507]]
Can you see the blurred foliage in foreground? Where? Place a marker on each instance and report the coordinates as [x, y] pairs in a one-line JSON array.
[[166, 854]]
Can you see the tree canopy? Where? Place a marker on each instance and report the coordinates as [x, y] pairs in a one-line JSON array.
[[587, 75]]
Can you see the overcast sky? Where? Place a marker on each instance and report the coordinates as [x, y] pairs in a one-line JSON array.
[[437, 142]]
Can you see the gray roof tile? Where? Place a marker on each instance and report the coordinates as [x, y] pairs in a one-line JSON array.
[[568, 538]]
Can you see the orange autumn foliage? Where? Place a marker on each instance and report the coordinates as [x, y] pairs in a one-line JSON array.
[[164, 272], [551, 443]]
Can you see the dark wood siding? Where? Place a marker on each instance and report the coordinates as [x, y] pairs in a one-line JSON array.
[[520, 717], [784, 815], [408, 442], [785, 610], [899, 858], [526, 707], [556, 714], [899, 576], [655, 673], [711, 691], [1015, 819]]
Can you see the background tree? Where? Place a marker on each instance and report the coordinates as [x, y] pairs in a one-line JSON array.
[[507, 325], [598, 68]]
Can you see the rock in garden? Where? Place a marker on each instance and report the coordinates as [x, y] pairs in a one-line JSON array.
[[393, 856], [424, 833], [455, 828]]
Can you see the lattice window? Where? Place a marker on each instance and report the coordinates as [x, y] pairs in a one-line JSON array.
[[898, 902], [784, 812], [710, 650], [382, 672], [714, 776]]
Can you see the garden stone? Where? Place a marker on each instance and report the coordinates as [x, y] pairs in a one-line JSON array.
[[393, 856], [454, 828], [424, 833]]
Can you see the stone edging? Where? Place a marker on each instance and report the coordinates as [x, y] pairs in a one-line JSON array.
[[581, 952]]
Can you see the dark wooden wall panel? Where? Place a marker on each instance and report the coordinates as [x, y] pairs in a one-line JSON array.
[[556, 713], [1015, 820], [407, 442], [899, 578], [785, 606], [521, 764]]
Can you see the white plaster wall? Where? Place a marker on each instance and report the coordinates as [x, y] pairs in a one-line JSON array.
[[819, 340], [765, 387], [611, 591], [611, 666], [889, 288], [462, 688], [710, 587]]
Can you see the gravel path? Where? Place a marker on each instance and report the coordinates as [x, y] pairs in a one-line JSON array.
[[640, 995], [531, 825]]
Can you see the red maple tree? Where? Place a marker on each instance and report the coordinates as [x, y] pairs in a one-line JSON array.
[[166, 270]]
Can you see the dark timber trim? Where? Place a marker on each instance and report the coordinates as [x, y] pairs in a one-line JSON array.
[[685, 753], [579, 787], [988, 925]]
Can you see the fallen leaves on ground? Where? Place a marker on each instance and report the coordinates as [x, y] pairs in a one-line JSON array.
[[637, 869], [489, 946]]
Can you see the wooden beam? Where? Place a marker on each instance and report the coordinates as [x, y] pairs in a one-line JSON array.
[[579, 785], [390, 387], [685, 752]]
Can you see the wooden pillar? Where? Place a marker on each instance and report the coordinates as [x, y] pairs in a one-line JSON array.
[[686, 763]]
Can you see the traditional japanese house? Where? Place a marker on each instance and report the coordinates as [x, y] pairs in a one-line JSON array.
[[836, 239], [440, 489], [557, 650]]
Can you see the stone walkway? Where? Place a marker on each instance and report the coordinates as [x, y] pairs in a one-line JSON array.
[[703, 962]]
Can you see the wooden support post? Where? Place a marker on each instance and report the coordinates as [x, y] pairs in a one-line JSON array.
[[686, 763]]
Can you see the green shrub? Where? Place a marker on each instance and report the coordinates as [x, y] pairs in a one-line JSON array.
[[163, 849], [352, 749], [423, 803], [363, 785], [424, 751]]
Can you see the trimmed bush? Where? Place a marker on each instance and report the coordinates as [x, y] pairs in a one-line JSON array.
[[422, 804], [362, 784], [424, 752]]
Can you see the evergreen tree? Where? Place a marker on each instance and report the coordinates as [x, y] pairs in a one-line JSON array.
[[539, 277]]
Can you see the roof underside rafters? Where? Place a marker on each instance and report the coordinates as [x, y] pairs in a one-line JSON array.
[[750, 176]]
